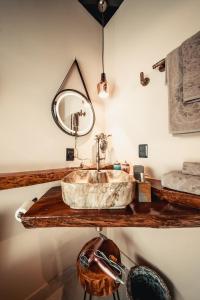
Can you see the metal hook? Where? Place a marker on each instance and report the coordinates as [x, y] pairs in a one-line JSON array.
[[144, 80]]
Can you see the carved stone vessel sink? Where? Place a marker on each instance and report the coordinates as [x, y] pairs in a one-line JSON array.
[[89, 189]]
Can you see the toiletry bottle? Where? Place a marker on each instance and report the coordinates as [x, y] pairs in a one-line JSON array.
[[117, 166], [125, 167]]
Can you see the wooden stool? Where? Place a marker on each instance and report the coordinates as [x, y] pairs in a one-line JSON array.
[[94, 281]]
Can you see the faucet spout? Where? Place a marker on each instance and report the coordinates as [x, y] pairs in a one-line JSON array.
[[102, 144], [98, 159]]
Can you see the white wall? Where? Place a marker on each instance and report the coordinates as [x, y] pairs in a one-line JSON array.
[[38, 42], [140, 34], [35, 261]]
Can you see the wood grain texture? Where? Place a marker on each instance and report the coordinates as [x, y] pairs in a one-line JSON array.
[[93, 279], [20, 179], [174, 197], [51, 211]]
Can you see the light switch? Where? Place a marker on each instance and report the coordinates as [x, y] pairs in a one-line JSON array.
[[70, 154], [143, 150]]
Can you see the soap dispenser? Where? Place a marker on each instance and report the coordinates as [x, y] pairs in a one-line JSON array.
[[143, 187]]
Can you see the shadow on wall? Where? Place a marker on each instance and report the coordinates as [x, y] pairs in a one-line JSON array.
[[63, 287], [35, 262], [142, 261], [58, 256], [139, 260], [67, 287], [60, 252]]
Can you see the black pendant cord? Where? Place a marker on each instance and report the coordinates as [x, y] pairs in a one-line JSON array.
[[75, 64], [102, 41]]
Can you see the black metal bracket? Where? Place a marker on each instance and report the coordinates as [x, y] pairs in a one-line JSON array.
[[74, 64]]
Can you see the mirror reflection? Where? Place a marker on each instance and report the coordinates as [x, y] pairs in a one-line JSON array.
[[73, 112]]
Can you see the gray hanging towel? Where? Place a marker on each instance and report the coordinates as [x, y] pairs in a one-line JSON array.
[[183, 117], [191, 68]]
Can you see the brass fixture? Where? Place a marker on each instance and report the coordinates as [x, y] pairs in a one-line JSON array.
[[102, 87], [160, 65], [102, 144], [144, 80], [75, 120]]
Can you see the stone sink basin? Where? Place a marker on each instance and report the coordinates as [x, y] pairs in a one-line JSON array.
[[89, 189]]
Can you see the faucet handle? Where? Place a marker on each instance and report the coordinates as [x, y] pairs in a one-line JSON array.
[[102, 136], [104, 142]]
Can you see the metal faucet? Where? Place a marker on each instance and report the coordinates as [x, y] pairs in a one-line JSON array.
[[102, 144]]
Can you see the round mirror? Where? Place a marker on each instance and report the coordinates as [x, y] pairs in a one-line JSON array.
[[73, 112]]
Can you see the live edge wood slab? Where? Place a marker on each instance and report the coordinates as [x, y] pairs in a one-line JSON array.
[[174, 197], [20, 179], [51, 211]]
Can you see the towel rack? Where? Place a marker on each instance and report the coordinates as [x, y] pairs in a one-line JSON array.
[[160, 65]]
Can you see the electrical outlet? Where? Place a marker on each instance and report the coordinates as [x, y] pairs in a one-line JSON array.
[[143, 150], [70, 154]]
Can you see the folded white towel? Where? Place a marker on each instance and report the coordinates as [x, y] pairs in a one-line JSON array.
[[191, 168], [178, 181]]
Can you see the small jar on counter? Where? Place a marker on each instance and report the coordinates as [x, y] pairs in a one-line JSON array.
[[125, 167], [117, 166]]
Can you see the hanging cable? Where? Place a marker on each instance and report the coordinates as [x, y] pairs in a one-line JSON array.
[[102, 54], [102, 86], [76, 155]]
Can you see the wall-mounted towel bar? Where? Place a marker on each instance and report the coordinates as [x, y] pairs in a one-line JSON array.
[[160, 65]]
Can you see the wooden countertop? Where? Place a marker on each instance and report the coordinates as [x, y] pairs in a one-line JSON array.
[[51, 211]]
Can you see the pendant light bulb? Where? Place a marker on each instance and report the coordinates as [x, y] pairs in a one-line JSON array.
[[102, 87], [102, 6]]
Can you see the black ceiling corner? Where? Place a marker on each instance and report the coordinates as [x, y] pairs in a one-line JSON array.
[[92, 8]]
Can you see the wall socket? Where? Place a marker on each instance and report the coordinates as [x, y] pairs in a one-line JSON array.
[[143, 150], [70, 154]]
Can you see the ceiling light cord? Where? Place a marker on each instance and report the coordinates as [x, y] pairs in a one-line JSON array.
[[102, 86], [102, 9], [102, 21]]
